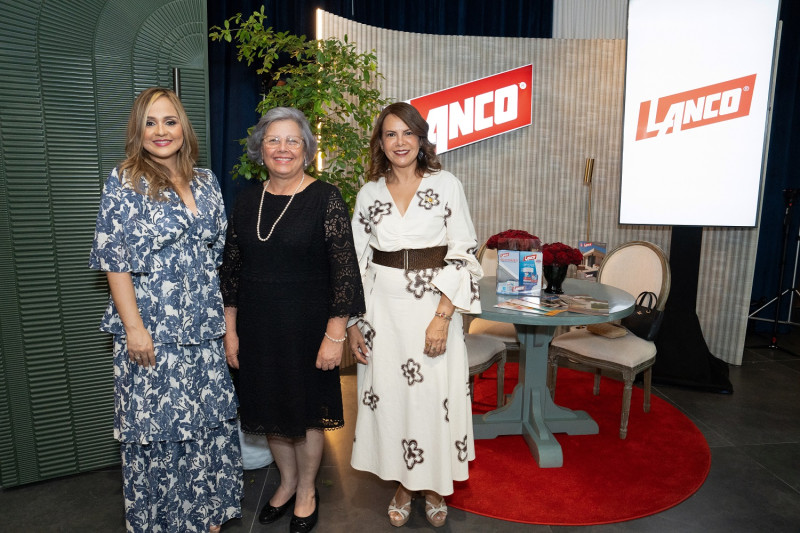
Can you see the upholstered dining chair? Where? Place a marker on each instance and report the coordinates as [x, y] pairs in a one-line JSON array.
[[482, 352], [634, 267], [480, 326]]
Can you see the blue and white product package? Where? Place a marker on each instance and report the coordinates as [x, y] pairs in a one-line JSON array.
[[507, 271], [519, 272], [530, 268]]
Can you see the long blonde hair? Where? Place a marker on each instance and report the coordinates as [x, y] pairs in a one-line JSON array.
[[139, 164]]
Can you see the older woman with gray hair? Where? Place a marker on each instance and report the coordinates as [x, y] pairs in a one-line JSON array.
[[290, 280]]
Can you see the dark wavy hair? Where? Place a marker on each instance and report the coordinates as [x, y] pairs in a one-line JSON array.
[[427, 160]]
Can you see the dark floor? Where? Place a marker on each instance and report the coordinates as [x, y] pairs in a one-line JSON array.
[[753, 486]]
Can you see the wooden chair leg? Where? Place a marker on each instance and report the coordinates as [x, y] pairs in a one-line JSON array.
[[597, 375], [472, 388], [648, 380], [501, 377], [626, 406]]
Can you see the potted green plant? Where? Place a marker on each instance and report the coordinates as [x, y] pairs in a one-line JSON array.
[[329, 80]]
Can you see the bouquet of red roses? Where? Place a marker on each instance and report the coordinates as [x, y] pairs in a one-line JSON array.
[[513, 239], [560, 254]]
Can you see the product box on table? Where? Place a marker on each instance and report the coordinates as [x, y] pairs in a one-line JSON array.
[[519, 272], [593, 255]]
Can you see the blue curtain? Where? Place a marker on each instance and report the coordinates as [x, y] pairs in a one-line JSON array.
[[233, 95], [783, 172], [500, 18]]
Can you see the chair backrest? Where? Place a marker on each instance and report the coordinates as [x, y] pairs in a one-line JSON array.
[[635, 267], [488, 260]]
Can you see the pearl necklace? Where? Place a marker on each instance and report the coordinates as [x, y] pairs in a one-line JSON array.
[[261, 204]]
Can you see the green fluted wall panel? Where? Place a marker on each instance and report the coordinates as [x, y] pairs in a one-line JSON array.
[[70, 70]]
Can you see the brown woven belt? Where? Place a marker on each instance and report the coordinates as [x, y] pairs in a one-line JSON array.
[[413, 259]]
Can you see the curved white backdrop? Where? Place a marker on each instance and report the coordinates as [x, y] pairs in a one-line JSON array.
[[532, 178]]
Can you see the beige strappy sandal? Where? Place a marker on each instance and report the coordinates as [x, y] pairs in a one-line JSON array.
[[436, 514], [404, 511]]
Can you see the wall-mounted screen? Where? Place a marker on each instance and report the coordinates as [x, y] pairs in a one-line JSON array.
[[697, 89]]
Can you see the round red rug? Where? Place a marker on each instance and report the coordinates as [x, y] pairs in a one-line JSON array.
[[663, 461]]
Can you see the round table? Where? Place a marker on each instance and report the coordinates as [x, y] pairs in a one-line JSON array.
[[531, 411]]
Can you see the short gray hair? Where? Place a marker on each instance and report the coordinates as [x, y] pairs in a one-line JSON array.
[[274, 115]]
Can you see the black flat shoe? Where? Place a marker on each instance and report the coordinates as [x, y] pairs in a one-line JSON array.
[[306, 523], [269, 513]]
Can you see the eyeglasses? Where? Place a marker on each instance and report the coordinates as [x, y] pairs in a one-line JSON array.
[[292, 143]]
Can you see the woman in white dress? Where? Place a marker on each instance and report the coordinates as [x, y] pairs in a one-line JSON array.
[[416, 245]]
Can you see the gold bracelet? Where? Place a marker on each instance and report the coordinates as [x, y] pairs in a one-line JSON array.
[[335, 340], [442, 315]]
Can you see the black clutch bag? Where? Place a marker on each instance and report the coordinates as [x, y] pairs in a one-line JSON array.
[[645, 320]]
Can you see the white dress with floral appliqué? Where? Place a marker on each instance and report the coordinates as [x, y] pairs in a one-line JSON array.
[[414, 412]]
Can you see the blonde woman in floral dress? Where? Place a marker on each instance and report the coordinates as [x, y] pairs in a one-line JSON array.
[[159, 237], [414, 412]]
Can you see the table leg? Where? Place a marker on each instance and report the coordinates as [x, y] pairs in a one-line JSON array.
[[531, 411]]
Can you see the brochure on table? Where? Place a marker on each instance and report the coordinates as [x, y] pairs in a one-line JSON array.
[[549, 305]]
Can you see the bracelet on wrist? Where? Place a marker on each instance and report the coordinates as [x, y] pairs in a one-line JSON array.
[[335, 340], [443, 315]]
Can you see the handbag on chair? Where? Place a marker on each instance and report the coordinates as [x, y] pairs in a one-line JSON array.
[[645, 320]]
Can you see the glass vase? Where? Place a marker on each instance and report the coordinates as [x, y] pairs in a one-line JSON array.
[[522, 245], [554, 276]]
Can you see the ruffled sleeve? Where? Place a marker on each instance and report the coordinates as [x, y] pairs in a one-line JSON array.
[[459, 279], [113, 249]]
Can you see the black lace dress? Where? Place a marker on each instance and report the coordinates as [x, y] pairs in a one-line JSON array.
[[285, 290]]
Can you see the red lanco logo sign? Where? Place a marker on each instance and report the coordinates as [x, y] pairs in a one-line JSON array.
[[695, 108], [477, 110]]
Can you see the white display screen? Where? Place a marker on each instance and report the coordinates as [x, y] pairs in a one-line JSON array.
[[697, 88]]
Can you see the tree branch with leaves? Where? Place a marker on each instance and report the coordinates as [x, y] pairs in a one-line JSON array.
[[329, 80]]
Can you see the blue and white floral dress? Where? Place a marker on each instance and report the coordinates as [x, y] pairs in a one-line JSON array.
[[177, 421], [414, 412]]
